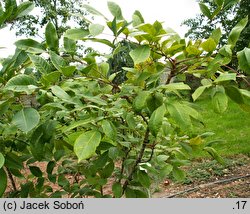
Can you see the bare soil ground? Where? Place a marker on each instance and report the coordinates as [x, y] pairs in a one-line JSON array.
[[232, 181]]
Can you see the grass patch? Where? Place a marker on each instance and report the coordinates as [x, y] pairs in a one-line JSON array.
[[233, 127]]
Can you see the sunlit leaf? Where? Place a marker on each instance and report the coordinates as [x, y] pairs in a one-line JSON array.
[[26, 119], [156, 120], [2, 160], [30, 46], [115, 10], [236, 31], [140, 54], [96, 29], [86, 144], [51, 37]]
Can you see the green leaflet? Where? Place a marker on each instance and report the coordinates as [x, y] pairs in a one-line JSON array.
[[76, 34], [235, 94], [96, 29], [86, 144], [57, 60], [140, 54], [226, 77], [144, 179], [199, 91], [140, 101], [30, 46], [21, 83], [214, 154], [209, 45], [115, 10], [36, 171], [93, 11], [154, 101], [24, 8], [175, 86], [26, 119], [60, 93], [244, 60], [117, 190], [156, 119], [51, 37], [178, 113], [236, 31], [41, 64], [2, 160], [219, 100], [69, 45], [3, 181], [178, 174], [216, 35], [205, 10], [109, 129]]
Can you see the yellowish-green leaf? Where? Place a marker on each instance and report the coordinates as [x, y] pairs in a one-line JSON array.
[[156, 120], [86, 144], [140, 54], [209, 45]]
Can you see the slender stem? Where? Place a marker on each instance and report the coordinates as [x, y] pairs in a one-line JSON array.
[[11, 179], [123, 161], [139, 160], [235, 71]]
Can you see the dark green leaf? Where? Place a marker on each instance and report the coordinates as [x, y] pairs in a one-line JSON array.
[[107, 171], [50, 166], [140, 101], [144, 179], [57, 60], [3, 181], [117, 190], [235, 94], [244, 60], [36, 171]]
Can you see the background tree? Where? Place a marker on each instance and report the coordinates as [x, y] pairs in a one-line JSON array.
[[201, 26], [59, 12]]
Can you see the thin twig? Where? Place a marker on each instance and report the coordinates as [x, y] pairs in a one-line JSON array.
[[139, 159], [11, 179]]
